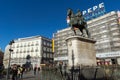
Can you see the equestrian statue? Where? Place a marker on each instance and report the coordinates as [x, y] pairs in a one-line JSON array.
[[77, 21]]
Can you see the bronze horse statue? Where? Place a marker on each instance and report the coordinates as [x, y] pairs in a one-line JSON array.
[[77, 21]]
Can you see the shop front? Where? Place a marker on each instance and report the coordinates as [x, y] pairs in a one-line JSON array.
[[109, 58]]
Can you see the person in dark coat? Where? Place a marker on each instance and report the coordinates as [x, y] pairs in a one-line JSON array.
[[35, 68], [38, 69], [14, 73]]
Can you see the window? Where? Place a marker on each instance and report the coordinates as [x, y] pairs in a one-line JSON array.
[[50, 44], [48, 49], [47, 55], [36, 49], [50, 55], [20, 51], [24, 51], [44, 54], [47, 44], [37, 43], [32, 44], [25, 45], [17, 51], [44, 48], [20, 45], [28, 50], [17, 45], [44, 43], [32, 50], [28, 44]]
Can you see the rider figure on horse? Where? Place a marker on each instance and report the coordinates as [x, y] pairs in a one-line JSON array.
[[77, 21], [80, 19]]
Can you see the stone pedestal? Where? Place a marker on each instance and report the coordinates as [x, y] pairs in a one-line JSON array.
[[81, 51]]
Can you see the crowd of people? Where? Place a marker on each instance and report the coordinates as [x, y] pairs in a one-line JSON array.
[[17, 72]]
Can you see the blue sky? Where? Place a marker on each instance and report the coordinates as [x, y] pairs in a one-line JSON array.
[[24, 18]]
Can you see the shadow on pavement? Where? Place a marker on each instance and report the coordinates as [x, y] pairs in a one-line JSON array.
[[28, 77]]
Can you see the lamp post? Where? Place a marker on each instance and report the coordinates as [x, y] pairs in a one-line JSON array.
[[72, 64], [11, 42]]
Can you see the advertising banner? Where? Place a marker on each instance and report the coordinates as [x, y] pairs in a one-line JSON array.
[[94, 11]]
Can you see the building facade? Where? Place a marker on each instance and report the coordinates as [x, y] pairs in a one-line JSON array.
[[37, 47], [60, 45], [6, 56], [104, 29]]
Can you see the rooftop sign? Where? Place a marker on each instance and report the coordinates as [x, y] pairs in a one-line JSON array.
[[94, 11]]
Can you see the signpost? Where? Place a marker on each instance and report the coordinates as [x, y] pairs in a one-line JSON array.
[[11, 50]]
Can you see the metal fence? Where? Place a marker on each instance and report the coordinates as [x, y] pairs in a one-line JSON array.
[[81, 73], [51, 73]]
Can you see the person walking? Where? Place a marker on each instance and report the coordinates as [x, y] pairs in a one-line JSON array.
[[14, 73], [35, 68], [23, 69], [19, 72], [38, 69]]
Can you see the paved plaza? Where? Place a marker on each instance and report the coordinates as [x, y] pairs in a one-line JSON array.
[[28, 76]]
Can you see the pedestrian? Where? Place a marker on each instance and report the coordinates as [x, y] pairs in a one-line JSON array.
[[35, 68], [19, 72], [23, 69], [14, 73], [60, 67], [38, 69]]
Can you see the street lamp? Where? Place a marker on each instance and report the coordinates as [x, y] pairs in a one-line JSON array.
[[11, 42], [72, 64]]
